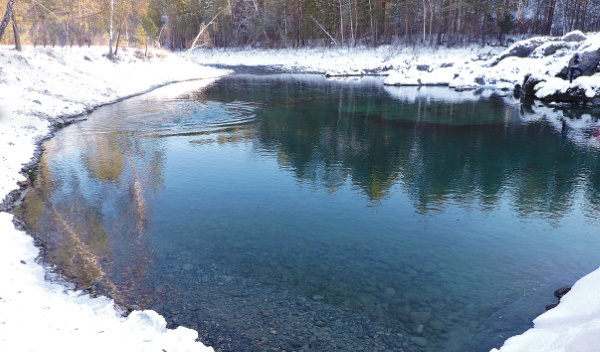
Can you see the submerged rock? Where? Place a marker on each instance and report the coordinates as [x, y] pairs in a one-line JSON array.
[[420, 317], [419, 341], [437, 325]]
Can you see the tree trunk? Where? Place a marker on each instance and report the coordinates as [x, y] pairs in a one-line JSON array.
[[584, 15], [341, 21], [7, 17], [550, 17], [117, 44], [110, 29], [373, 34], [424, 21], [16, 33]]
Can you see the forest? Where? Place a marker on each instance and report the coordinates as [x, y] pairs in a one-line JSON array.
[[185, 24]]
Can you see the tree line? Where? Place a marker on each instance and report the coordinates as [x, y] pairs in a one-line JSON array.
[[182, 24]]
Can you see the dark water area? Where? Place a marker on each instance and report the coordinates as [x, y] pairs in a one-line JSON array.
[[296, 213]]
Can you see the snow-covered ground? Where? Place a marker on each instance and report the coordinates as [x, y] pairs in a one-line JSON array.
[[43, 87]]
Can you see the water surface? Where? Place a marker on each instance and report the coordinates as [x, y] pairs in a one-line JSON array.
[[298, 213]]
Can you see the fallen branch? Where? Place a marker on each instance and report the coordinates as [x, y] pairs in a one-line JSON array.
[[323, 29], [200, 33]]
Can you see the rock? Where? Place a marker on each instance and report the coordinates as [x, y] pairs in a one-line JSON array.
[[423, 67], [561, 292], [575, 36], [202, 315], [320, 323], [549, 49], [295, 343], [517, 91], [420, 317], [575, 94], [317, 298], [520, 49], [529, 84], [389, 292], [419, 341], [437, 325], [555, 104]]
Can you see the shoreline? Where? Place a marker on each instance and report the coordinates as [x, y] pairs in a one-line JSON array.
[[66, 317], [13, 198]]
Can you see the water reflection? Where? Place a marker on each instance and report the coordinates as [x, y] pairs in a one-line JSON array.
[[89, 205], [438, 151], [386, 204]]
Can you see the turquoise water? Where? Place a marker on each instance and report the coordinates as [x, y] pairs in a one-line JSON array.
[[297, 213]]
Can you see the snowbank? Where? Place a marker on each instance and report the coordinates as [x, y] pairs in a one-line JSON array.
[[573, 326], [459, 68], [41, 89]]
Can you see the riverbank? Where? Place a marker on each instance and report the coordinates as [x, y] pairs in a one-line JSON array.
[[493, 68], [42, 89]]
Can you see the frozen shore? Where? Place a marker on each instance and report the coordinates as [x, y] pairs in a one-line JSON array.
[[42, 88]]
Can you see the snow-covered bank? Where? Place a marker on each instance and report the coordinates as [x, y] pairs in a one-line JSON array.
[[384, 60], [573, 326], [40, 89], [472, 67]]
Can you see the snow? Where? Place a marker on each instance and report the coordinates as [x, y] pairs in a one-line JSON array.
[[553, 85], [573, 326], [459, 68], [43, 87]]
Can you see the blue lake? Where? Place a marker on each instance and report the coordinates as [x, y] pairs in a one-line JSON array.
[[282, 212]]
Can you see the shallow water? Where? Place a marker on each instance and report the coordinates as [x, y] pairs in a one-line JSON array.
[[296, 213]]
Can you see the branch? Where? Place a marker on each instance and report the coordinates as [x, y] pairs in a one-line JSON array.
[[323, 29], [187, 54]]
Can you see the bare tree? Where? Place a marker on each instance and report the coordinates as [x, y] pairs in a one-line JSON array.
[[7, 17]]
